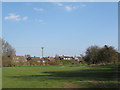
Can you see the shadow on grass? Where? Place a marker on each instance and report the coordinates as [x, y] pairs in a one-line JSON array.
[[78, 75], [87, 74]]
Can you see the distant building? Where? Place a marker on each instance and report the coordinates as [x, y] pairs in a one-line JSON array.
[[28, 57], [38, 59], [19, 58], [50, 59], [67, 58]]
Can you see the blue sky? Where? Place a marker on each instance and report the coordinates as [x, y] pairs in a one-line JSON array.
[[62, 28]]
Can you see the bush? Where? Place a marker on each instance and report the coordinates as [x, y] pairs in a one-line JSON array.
[[55, 62], [7, 61], [64, 62]]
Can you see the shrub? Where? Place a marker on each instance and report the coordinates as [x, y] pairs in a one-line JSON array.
[[7, 61], [55, 62]]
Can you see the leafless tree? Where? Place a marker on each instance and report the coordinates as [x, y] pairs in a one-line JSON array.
[[7, 49]]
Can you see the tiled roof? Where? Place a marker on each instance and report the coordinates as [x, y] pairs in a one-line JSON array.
[[37, 57], [50, 59]]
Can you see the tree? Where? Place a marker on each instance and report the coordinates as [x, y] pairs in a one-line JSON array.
[[7, 49], [96, 55], [92, 54], [108, 54], [7, 52]]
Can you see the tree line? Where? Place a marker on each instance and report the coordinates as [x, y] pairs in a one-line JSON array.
[[103, 55], [93, 55]]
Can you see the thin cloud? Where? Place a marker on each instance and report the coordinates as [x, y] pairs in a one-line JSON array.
[[68, 8], [75, 7], [25, 18], [38, 9], [83, 5], [13, 17], [58, 4], [40, 21], [18, 19]]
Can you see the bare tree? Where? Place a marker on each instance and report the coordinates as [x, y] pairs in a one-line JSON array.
[[7, 49], [7, 52]]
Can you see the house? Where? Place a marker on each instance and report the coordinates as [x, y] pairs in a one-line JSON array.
[[58, 58], [50, 59], [67, 58], [38, 59], [77, 58], [28, 57], [19, 58], [64, 58]]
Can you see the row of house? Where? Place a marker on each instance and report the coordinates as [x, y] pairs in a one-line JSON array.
[[38, 59], [25, 58], [68, 58]]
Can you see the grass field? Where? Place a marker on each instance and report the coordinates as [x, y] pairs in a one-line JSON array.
[[60, 76]]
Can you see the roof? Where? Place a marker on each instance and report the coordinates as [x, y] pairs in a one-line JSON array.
[[50, 59], [19, 56], [37, 57], [66, 57]]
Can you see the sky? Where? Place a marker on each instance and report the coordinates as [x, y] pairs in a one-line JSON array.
[[63, 28]]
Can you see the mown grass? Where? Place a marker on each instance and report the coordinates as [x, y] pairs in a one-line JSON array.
[[61, 76]]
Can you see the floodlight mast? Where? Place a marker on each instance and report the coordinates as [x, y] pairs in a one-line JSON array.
[[42, 51]]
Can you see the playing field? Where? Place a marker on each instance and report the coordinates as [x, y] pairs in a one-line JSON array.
[[60, 76]]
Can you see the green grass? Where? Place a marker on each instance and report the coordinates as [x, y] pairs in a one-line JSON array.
[[60, 76]]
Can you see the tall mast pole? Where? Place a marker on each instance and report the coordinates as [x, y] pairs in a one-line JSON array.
[[42, 51]]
